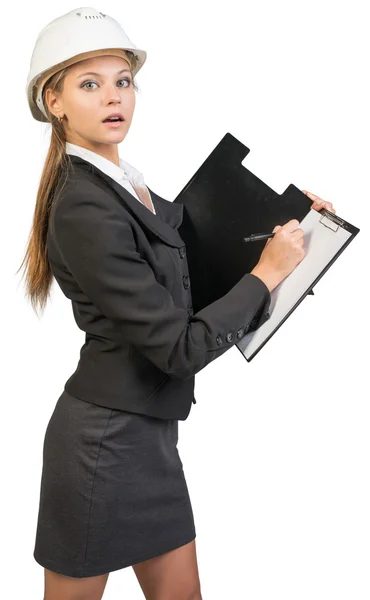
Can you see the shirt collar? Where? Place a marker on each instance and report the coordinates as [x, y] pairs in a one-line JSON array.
[[119, 173]]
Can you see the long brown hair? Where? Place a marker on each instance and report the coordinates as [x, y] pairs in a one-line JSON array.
[[38, 273]]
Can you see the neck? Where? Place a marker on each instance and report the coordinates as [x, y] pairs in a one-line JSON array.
[[108, 151]]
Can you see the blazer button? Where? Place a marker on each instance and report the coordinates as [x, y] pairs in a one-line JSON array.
[[182, 252], [240, 333], [186, 281], [229, 337], [246, 329], [219, 340]]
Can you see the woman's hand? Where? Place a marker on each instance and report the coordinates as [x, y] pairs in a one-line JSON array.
[[281, 254], [318, 203]]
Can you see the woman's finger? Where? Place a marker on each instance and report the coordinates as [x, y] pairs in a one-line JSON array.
[[311, 195], [319, 203]]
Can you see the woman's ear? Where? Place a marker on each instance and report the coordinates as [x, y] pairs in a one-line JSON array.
[[52, 102]]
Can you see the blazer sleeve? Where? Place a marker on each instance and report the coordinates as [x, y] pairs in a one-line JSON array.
[[98, 247]]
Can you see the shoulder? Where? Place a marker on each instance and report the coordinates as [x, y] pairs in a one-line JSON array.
[[77, 195], [81, 209]]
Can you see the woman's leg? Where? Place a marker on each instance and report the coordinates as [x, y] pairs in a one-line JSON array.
[[62, 587], [171, 576]]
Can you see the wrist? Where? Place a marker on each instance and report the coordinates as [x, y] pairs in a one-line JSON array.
[[270, 277]]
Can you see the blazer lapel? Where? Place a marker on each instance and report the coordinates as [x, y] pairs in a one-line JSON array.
[[169, 215]]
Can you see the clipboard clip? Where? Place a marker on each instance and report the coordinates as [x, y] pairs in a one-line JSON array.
[[331, 221]]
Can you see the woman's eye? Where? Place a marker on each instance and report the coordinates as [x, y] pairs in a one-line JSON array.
[[86, 83], [124, 79]]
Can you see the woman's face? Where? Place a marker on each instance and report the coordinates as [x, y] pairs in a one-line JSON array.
[[87, 99]]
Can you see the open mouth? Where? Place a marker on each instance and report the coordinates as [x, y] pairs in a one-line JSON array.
[[113, 122]]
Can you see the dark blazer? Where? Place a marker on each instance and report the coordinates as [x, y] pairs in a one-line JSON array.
[[125, 270]]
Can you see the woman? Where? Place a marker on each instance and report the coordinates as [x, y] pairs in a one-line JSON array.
[[113, 491]]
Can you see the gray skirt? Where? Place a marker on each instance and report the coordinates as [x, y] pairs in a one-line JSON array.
[[113, 491]]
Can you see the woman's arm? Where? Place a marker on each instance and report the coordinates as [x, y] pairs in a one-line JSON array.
[[99, 249]]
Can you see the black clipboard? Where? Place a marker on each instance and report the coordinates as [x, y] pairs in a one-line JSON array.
[[223, 203], [326, 236]]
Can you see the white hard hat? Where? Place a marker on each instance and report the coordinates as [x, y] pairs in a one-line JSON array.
[[79, 34]]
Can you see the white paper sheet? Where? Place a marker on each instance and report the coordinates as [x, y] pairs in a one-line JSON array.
[[322, 241]]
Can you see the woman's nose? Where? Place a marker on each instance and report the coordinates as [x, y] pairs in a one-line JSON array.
[[112, 93]]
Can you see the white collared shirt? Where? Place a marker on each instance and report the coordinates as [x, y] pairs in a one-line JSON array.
[[125, 174]]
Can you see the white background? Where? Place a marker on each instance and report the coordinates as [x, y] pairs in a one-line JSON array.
[[276, 452]]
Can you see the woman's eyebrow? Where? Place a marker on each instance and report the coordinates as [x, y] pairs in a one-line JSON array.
[[99, 74]]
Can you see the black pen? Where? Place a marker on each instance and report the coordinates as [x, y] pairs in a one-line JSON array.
[[258, 236]]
